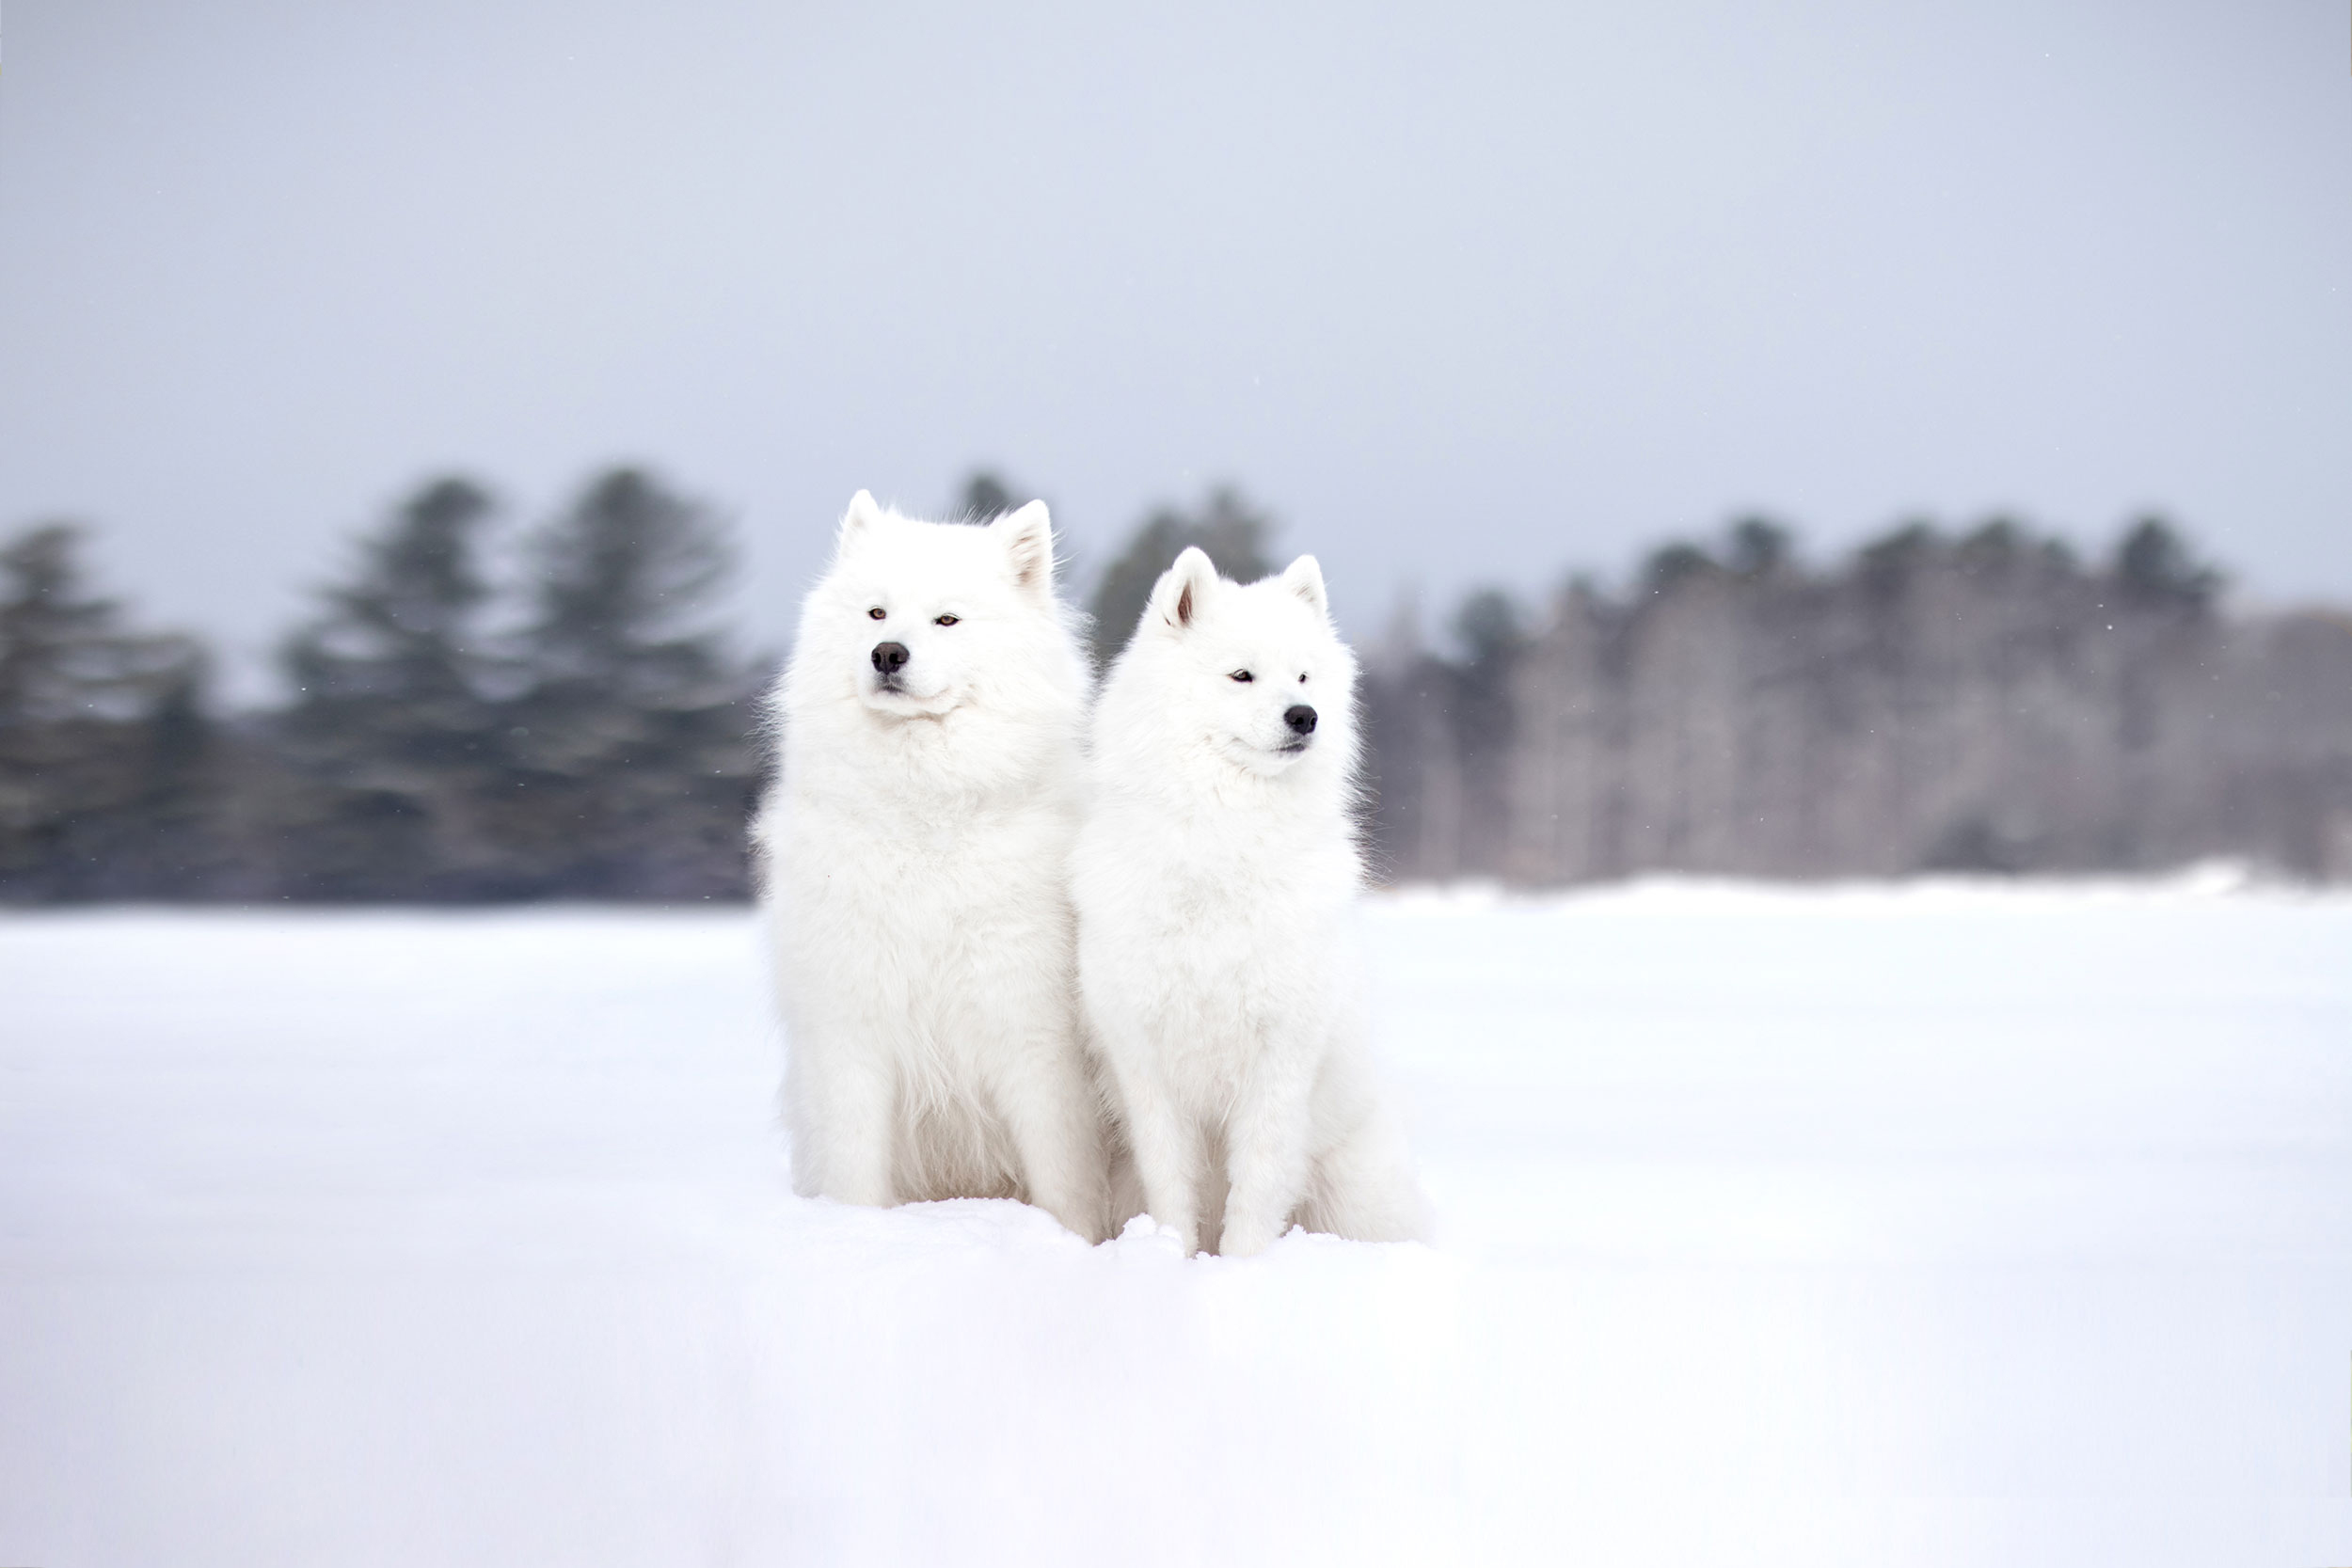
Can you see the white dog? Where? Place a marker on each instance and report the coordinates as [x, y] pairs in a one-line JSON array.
[[1215, 879], [913, 853]]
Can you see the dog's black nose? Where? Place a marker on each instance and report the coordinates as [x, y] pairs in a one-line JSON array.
[[891, 658], [1301, 718]]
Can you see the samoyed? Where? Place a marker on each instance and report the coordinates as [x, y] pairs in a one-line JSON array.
[[913, 855], [1215, 880]]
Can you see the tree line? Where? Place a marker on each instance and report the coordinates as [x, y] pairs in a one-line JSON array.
[[584, 733], [1981, 702], [589, 728]]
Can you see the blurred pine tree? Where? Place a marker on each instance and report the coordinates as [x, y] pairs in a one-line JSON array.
[[103, 743], [631, 758], [392, 733], [986, 496], [1234, 533]]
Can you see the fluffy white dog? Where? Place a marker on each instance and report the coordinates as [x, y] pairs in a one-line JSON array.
[[914, 852], [1215, 880]]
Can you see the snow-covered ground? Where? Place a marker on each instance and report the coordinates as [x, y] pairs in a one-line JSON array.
[[1918, 1225]]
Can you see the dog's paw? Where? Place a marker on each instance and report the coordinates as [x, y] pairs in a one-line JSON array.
[[1244, 1241], [1145, 1237]]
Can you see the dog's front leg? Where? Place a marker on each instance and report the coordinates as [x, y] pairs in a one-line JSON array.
[[844, 1105], [1058, 1133], [1266, 1155], [1167, 1148]]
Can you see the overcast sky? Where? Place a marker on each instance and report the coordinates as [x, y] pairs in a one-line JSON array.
[[1462, 293]]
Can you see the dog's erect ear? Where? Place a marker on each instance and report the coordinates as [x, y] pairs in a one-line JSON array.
[[1027, 536], [862, 515], [1305, 578], [1183, 592]]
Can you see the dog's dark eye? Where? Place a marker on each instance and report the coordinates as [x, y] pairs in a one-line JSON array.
[[874, 614], [1244, 675], [945, 620], [1302, 677]]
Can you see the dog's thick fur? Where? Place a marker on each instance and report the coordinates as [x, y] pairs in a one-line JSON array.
[[914, 852], [1215, 880]]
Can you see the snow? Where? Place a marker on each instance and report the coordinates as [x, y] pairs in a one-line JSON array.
[[1924, 1224]]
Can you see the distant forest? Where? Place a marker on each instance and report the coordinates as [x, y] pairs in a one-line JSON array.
[[1985, 702]]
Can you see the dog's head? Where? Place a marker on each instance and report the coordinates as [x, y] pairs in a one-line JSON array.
[[920, 619], [1258, 671]]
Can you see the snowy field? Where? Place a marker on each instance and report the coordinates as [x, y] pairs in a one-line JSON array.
[[1913, 1225]]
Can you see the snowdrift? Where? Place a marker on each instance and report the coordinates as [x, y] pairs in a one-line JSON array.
[[1942, 1224]]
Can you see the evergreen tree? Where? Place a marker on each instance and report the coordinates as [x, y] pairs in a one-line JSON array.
[[64, 655], [392, 731], [633, 764], [1490, 630], [404, 629], [1759, 547], [1234, 533], [986, 496], [2154, 568], [1671, 566], [621, 599], [103, 739], [1489, 627]]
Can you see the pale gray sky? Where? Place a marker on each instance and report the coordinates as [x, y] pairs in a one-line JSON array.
[[1463, 293]]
